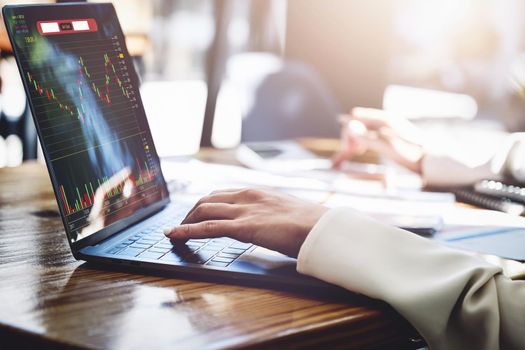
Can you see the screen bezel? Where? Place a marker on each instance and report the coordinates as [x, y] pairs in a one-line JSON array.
[[139, 214]]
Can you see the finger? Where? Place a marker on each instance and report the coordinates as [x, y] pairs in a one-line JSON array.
[[372, 118], [370, 113], [215, 197], [377, 120], [344, 118], [225, 190], [404, 152], [233, 196], [212, 211], [238, 196], [383, 144], [205, 229], [344, 148], [350, 143], [219, 197], [345, 153], [340, 157]]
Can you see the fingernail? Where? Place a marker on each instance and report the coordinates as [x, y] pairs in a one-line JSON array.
[[167, 232]]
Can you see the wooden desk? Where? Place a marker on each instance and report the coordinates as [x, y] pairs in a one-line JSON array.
[[50, 300]]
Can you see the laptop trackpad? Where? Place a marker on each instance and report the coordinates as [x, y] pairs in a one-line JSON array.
[[264, 259]]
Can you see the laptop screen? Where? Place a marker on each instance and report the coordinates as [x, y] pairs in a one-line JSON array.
[[84, 96]]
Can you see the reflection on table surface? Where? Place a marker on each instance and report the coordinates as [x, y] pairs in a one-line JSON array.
[[52, 295]]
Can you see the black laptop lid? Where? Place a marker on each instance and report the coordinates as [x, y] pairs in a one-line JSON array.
[[83, 92]]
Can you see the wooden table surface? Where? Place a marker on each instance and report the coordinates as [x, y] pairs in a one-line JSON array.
[[50, 299]]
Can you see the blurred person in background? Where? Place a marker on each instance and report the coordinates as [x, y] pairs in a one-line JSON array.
[[454, 299], [401, 141]]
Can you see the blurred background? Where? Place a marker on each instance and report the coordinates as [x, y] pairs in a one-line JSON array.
[[222, 72]]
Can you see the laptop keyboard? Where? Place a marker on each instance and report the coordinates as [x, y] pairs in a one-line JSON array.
[[151, 244]]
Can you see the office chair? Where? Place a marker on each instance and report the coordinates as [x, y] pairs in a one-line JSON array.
[[287, 99]]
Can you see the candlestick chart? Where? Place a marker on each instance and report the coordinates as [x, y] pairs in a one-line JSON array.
[[92, 125]]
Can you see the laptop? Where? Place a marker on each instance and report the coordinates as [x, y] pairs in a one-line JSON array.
[[83, 92]]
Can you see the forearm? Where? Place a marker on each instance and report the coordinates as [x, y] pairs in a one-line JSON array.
[[452, 298]]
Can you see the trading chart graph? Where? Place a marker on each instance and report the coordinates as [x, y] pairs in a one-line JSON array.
[[89, 86], [84, 196], [84, 94], [110, 75]]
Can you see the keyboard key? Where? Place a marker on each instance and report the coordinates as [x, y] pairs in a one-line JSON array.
[[200, 240], [204, 255], [159, 249], [195, 245], [211, 248], [147, 241], [141, 245], [223, 260], [233, 251], [171, 257], [165, 245], [227, 255], [156, 236], [150, 255], [217, 242], [222, 240], [192, 259], [150, 237], [215, 247], [113, 250], [219, 264], [129, 251], [241, 245], [199, 257]]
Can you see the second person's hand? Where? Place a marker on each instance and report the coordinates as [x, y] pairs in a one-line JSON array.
[[391, 136]]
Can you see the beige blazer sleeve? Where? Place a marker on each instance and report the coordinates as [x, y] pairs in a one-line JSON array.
[[455, 300], [507, 160]]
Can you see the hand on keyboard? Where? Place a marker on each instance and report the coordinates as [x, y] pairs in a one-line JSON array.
[[151, 244], [269, 219]]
